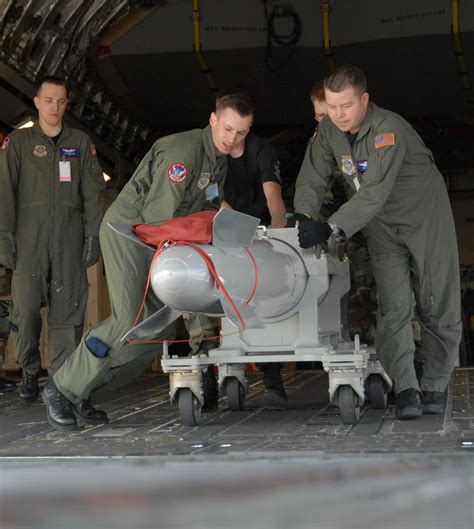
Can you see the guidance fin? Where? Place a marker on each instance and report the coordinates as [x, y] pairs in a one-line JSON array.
[[252, 321], [231, 228], [154, 324], [126, 231]]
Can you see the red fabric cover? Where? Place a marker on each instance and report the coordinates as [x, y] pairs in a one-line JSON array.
[[193, 228]]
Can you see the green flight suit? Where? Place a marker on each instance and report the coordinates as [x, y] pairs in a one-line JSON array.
[[5, 311], [171, 181], [400, 196], [50, 216]]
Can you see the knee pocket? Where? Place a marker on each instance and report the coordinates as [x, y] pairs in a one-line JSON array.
[[97, 347]]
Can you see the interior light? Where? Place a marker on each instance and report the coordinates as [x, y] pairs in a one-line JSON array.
[[107, 177], [26, 125]]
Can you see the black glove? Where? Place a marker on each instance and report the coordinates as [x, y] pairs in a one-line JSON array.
[[7, 250], [313, 232], [91, 252]]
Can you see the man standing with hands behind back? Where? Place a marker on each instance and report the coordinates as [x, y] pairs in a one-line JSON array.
[[51, 210]]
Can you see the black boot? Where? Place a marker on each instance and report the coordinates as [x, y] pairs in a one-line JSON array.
[[87, 413], [432, 402], [209, 380], [29, 389], [210, 389], [274, 396], [58, 408], [7, 385], [408, 405]]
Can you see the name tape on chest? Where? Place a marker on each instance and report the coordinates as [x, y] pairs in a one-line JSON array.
[[382, 140], [69, 152], [354, 169]]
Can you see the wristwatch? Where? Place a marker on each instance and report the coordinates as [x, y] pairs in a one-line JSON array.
[[336, 231]]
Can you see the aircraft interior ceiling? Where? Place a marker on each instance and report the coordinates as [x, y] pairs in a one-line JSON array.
[[140, 69]]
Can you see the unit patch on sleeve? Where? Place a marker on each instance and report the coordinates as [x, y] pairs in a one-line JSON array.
[[5, 143], [204, 180], [40, 151], [69, 152], [177, 172], [382, 140]]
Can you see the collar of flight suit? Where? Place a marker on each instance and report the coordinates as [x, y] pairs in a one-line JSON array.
[[208, 143], [38, 132], [367, 123]]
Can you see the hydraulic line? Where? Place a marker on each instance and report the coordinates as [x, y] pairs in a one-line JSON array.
[[197, 47], [458, 50], [288, 39], [325, 10]]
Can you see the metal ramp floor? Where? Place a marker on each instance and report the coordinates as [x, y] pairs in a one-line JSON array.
[[143, 423], [256, 468]]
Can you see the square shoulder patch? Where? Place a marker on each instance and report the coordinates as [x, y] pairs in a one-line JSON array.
[[382, 140]]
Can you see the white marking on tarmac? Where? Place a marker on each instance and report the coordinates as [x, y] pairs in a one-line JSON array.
[[164, 424]]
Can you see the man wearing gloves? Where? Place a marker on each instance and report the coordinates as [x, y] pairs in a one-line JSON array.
[[400, 196], [51, 211]]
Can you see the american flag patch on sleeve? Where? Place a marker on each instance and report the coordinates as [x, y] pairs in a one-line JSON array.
[[384, 139]]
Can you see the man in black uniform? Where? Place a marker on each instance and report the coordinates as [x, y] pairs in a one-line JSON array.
[[252, 186], [253, 183]]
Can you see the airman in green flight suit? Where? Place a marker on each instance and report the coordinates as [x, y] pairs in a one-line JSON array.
[[400, 196], [50, 215], [181, 174]]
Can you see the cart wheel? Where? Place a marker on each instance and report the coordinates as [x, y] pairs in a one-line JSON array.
[[349, 409], [235, 394], [377, 392], [189, 407]]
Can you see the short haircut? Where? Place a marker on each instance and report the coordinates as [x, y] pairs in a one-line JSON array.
[[51, 79], [344, 77], [238, 101], [317, 92]]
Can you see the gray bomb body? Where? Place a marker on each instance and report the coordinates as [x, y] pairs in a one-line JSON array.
[[181, 279]]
